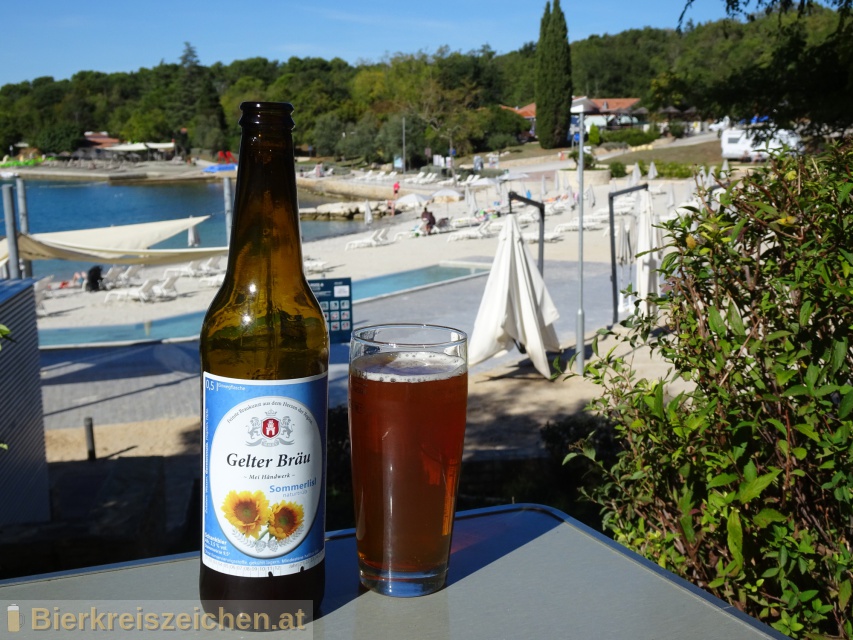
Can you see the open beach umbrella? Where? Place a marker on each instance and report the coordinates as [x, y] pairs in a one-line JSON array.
[[647, 255], [368, 213], [446, 196], [516, 306], [412, 200], [488, 182], [505, 179], [653, 171]]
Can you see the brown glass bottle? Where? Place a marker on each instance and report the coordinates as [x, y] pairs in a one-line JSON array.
[[264, 356]]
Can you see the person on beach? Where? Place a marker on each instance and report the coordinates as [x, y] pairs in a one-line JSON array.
[[94, 278], [396, 189], [429, 220]]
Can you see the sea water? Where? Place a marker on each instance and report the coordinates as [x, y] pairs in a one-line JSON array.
[[66, 206]]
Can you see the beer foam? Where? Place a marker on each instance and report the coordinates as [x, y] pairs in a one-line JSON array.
[[408, 366]]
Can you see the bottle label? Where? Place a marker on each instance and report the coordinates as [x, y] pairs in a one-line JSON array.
[[263, 510]]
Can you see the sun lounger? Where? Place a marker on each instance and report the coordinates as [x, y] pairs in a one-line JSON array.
[[42, 290], [142, 293], [415, 179], [376, 239], [464, 221], [527, 217], [128, 277], [194, 270], [167, 288], [550, 236], [213, 281], [360, 243], [588, 225], [313, 265], [484, 230], [212, 266], [111, 277], [557, 207]]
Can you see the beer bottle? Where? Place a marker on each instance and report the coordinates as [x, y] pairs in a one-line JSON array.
[[264, 358]]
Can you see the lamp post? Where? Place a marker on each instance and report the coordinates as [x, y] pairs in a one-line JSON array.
[[579, 350]]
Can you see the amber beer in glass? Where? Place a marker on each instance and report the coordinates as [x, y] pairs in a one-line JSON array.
[[408, 393]]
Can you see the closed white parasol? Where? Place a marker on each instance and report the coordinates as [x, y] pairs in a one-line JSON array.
[[647, 255], [653, 171], [516, 306], [636, 175]]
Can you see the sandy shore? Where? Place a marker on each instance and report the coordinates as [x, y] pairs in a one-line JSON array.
[[77, 308], [496, 416]]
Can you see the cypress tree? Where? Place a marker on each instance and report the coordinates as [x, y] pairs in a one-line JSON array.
[[543, 122], [553, 79]]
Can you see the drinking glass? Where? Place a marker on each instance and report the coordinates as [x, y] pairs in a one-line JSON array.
[[408, 394]]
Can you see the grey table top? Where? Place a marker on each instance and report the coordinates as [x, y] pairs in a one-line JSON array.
[[516, 571]]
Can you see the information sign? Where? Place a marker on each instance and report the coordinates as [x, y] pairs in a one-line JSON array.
[[335, 298]]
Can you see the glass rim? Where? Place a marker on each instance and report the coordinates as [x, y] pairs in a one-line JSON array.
[[461, 339]]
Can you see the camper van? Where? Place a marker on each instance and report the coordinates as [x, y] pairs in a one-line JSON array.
[[742, 144]]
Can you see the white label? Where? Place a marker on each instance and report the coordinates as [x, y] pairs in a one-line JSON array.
[[264, 491]]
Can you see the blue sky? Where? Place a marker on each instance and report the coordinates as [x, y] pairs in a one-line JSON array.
[[58, 38]]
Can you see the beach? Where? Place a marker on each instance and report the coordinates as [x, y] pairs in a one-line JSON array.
[[508, 400]]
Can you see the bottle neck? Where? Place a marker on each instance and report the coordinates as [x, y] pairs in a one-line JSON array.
[[265, 230]]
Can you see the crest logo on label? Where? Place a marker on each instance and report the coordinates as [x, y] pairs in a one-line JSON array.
[[270, 428], [269, 431]]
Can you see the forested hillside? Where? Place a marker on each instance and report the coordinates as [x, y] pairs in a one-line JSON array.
[[795, 69]]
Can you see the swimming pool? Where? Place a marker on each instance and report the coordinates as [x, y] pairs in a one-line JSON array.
[[187, 326]]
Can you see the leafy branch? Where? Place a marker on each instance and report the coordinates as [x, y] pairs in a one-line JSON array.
[[735, 468]]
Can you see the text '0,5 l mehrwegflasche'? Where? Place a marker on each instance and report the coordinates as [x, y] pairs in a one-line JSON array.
[[265, 358]]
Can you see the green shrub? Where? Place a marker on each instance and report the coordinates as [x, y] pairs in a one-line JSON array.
[[499, 141], [631, 137], [617, 169], [741, 478], [676, 129], [674, 170], [496, 128], [613, 146], [594, 135], [588, 159]]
